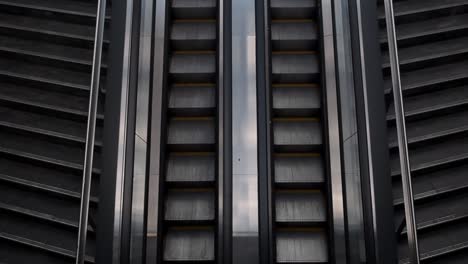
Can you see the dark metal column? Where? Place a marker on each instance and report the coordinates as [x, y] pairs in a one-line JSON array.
[[352, 181], [224, 239], [244, 124], [141, 122], [153, 209], [374, 156], [333, 148], [265, 177], [111, 211]]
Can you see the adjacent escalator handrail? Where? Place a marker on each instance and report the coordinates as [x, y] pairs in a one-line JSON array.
[[91, 132], [402, 137]]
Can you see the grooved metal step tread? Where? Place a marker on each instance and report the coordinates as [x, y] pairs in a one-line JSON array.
[[301, 246], [18, 225], [300, 207], [48, 26], [297, 100], [434, 183], [194, 9], [192, 205], [191, 169], [432, 128], [431, 244], [405, 8], [429, 52], [12, 251], [45, 74], [432, 103], [194, 35], [47, 50], [68, 7], [429, 28], [191, 133], [56, 126], [58, 101], [299, 170], [195, 100], [438, 212], [297, 135], [292, 35], [50, 250], [40, 187], [433, 155], [193, 68], [57, 206], [48, 148], [417, 80], [295, 68], [293, 8], [189, 245]]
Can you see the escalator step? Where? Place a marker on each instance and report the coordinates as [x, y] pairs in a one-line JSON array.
[[193, 67], [69, 7], [297, 135], [190, 9], [301, 246], [422, 31], [195, 134], [299, 170], [438, 182], [195, 100], [293, 8], [46, 25], [193, 205], [295, 68], [300, 207], [294, 35], [296, 100], [194, 35], [189, 245], [191, 169]]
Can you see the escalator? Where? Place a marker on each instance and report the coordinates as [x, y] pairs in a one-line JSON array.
[[299, 192], [189, 189], [433, 48], [46, 50]]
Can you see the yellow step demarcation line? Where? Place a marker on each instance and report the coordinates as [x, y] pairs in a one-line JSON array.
[[294, 85], [194, 52], [297, 155], [296, 119]]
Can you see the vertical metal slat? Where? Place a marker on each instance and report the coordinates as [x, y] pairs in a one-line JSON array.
[[402, 137], [91, 133]]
